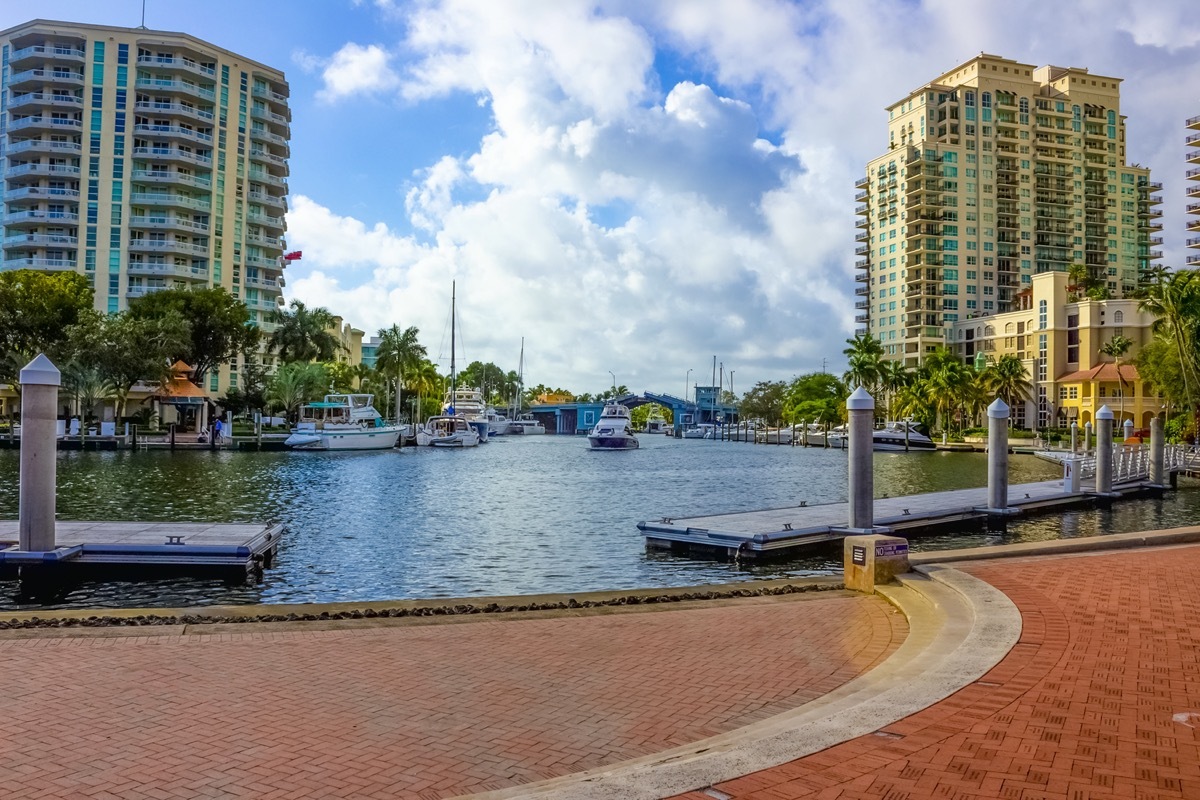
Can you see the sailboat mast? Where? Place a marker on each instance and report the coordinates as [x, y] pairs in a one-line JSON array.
[[453, 383]]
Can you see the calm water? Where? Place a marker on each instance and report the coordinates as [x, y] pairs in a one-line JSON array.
[[519, 515]]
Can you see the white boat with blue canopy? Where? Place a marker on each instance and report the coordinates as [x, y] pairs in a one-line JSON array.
[[343, 422]]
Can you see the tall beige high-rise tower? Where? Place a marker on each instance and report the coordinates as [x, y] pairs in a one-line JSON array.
[[144, 160], [1193, 191], [997, 171]]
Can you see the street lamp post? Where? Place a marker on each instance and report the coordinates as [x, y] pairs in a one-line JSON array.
[[614, 386]]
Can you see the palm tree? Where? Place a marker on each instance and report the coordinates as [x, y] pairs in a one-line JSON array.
[[865, 357], [398, 353], [88, 386], [1007, 379], [426, 381], [303, 334], [949, 384], [296, 383], [1174, 298], [893, 376], [1116, 348]]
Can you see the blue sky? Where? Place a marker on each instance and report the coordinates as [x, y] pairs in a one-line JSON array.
[[631, 186]]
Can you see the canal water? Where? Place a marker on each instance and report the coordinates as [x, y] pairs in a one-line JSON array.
[[518, 515]]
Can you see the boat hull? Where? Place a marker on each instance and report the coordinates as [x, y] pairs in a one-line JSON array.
[[383, 438], [613, 442]]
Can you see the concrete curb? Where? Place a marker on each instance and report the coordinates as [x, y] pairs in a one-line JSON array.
[[960, 627], [1091, 544]]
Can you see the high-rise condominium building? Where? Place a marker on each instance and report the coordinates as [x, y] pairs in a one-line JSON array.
[[144, 160], [997, 171], [1193, 191]]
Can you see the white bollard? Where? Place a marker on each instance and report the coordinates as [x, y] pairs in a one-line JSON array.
[[998, 413], [40, 380], [1074, 438], [861, 408], [1087, 436], [1104, 450], [1157, 452], [1128, 426]]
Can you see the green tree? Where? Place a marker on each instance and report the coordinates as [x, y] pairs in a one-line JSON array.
[[639, 415], [399, 354], [488, 378], [949, 385], [303, 334], [893, 376], [1116, 348], [37, 310], [218, 325], [1007, 379], [1174, 299], [87, 385], [765, 401], [865, 360], [129, 349], [296, 383], [815, 397], [341, 375]]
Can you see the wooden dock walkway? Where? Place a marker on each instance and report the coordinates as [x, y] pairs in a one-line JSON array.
[[778, 531], [203, 546]]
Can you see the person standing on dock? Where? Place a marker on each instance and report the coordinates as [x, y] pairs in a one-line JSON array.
[[217, 429]]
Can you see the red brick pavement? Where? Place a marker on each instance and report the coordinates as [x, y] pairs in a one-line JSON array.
[[411, 712], [1081, 709]]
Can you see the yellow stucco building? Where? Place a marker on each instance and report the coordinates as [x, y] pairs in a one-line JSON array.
[[1058, 337]]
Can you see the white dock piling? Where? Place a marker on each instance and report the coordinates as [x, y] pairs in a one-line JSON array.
[[40, 380], [998, 413], [861, 408], [1104, 450], [1157, 452]]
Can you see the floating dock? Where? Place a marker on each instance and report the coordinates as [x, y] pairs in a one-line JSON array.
[[781, 531], [149, 548]]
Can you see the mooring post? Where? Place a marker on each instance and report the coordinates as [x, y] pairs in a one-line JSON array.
[[861, 408], [1128, 430], [1104, 450], [1074, 438], [998, 413], [1087, 437], [40, 380], [1157, 452]]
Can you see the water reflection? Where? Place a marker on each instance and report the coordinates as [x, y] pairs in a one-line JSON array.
[[539, 514]]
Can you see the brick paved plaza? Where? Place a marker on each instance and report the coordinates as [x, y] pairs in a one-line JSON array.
[[1096, 701], [421, 711]]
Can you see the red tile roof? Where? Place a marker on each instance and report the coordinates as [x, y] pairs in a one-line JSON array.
[[1104, 373]]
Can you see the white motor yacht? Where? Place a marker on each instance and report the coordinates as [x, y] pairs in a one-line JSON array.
[[704, 430], [892, 437], [614, 431], [526, 425], [656, 423], [447, 431], [342, 422], [468, 404]]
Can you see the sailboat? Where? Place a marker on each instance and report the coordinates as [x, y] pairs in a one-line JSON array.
[[522, 424], [449, 429]]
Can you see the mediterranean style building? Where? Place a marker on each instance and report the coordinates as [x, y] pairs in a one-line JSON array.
[[1057, 334], [144, 160], [995, 172]]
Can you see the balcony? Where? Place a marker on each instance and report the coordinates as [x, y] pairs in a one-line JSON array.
[[277, 203], [175, 109], [858, 251], [40, 193], [35, 76], [260, 261], [63, 53], [177, 87], [269, 179], [267, 94], [49, 264], [269, 158], [259, 218], [263, 135], [265, 241], [166, 223], [862, 291], [45, 124], [270, 116], [173, 131], [40, 240], [45, 100], [45, 146], [168, 199], [168, 246], [177, 63], [259, 282], [171, 178], [863, 182], [172, 270], [42, 170], [39, 217], [861, 318], [172, 154]]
